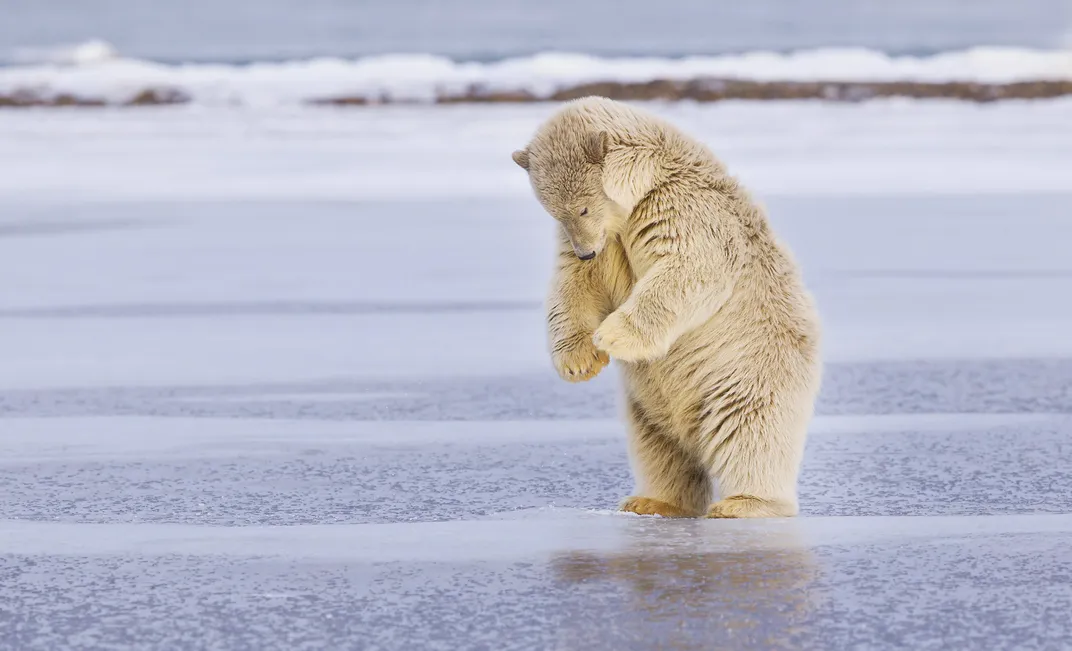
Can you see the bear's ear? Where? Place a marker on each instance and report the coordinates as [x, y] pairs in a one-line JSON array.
[[521, 157], [596, 145]]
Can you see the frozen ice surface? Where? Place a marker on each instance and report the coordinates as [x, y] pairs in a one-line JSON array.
[[254, 415], [432, 153]]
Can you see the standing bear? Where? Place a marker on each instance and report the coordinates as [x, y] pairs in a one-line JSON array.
[[667, 265]]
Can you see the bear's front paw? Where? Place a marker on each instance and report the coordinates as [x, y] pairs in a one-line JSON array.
[[619, 337], [577, 359]]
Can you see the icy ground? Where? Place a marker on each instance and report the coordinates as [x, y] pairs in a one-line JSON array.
[[250, 399]]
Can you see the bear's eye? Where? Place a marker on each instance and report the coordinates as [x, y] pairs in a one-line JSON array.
[[584, 211]]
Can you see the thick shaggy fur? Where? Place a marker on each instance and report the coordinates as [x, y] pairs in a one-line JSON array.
[[690, 290]]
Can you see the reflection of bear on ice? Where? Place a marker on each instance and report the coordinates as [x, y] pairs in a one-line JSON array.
[[687, 585], [667, 265]]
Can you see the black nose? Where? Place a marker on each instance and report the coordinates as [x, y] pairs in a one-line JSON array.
[[587, 256]]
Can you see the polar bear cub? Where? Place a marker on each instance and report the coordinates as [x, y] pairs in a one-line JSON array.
[[667, 265]]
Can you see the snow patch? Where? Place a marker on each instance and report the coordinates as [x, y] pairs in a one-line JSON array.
[[94, 69]]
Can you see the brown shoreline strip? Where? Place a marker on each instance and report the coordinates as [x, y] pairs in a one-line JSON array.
[[147, 97], [699, 90], [716, 90]]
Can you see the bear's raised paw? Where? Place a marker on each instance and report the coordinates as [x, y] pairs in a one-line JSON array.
[[578, 360], [619, 337]]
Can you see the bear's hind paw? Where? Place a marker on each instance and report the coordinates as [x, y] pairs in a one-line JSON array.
[[649, 506], [746, 506]]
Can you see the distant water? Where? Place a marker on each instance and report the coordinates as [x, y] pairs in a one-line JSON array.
[[237, 31]]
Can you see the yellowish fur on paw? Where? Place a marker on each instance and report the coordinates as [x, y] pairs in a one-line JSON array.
[[746, 506], [648, 506], [619, 338], [579, 361]]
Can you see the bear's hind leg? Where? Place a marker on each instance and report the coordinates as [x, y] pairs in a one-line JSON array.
[[756, 465], [671, 481]]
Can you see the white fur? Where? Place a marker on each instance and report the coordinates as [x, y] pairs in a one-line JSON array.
[[694, 295]]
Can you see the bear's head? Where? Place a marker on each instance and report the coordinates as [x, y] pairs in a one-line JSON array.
[[566, 172]]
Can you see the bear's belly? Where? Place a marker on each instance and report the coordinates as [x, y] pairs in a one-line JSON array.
[[668, 393], [719, 362]]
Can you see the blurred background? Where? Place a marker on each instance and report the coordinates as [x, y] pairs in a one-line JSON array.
[[485, 30], [272, 350]]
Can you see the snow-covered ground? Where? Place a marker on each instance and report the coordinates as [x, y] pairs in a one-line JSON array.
[[96, 70], [276, 379]]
